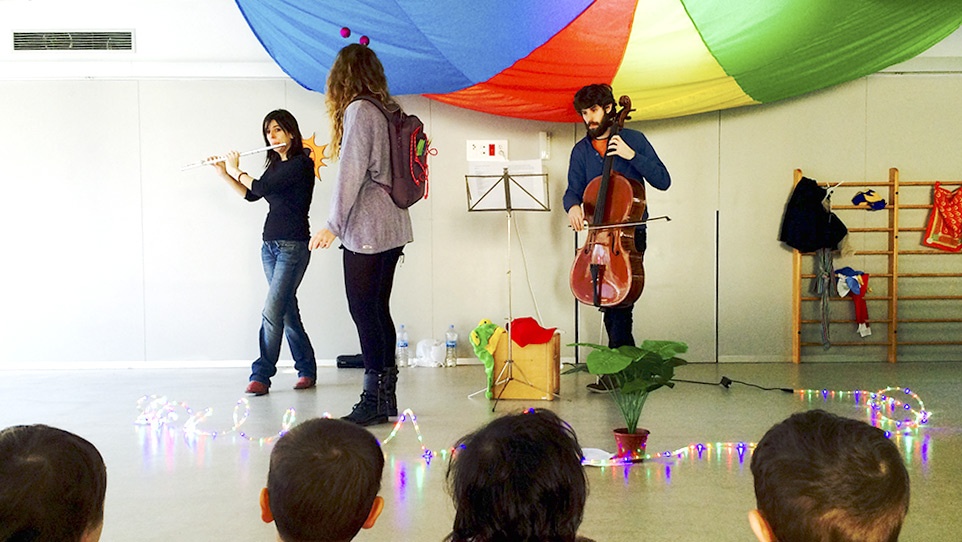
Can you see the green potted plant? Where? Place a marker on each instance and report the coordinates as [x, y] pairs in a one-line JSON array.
[[631, 373]]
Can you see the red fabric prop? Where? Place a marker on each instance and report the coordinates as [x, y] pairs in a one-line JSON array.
[[944, 231], [525, 331], [858, 300]]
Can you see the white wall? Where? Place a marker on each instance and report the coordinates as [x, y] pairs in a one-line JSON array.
[[171, 38], [114, 256]]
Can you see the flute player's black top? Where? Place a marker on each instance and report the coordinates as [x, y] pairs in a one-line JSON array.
[[288, 187]]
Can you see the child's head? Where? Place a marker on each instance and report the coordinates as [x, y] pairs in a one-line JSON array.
[[821, 477], [518, 478], [52, 486], [323, 482]]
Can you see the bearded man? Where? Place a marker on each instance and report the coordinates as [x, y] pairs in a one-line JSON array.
[[633, 157]]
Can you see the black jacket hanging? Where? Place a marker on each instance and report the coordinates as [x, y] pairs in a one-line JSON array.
[[807, 226]]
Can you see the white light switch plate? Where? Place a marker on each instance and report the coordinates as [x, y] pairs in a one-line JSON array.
[[487, 149]]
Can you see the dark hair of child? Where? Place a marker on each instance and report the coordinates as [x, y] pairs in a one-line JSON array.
[[519, 477], [52, 485], [323, 479], [822, 477]]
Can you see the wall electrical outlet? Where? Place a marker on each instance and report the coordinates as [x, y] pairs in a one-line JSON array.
[[487, 149]]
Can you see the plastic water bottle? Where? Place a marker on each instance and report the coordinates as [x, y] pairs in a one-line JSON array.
[[451, 347], [403, 358]]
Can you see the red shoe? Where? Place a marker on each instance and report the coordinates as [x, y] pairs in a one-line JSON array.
[[304, 383], [257, 388]]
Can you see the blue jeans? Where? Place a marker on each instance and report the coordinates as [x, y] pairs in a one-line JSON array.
[[284, 265]]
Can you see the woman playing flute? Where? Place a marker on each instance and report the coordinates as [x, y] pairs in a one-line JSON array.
[[287, 184]]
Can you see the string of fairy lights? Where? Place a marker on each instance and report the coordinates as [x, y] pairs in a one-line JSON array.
[[898, 411], [159, 412]]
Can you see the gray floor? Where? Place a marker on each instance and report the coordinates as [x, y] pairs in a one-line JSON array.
[[163, 486]]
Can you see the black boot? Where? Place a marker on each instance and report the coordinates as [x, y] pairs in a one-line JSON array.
[[389, 390], [371, 409]]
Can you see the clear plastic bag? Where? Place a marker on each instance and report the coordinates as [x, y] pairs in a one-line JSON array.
[[430, 353]]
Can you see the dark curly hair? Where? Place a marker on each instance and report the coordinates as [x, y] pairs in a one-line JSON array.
[[519, 478], [598, 94]]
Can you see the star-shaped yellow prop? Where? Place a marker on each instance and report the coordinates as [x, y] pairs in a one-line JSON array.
[[317, 154]]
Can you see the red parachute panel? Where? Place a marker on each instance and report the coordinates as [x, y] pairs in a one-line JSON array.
[[541, 86]]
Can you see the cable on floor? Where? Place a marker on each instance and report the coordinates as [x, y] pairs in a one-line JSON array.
[[726, 383]]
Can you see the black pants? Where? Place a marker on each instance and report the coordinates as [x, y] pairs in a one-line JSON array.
[[368, 279], [618, 320]]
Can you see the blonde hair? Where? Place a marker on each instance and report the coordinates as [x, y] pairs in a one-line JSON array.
[[356, 71]]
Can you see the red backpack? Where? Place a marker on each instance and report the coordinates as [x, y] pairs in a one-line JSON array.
[[409, 154]]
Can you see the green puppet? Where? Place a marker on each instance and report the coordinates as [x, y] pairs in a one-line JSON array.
[[485, 339]]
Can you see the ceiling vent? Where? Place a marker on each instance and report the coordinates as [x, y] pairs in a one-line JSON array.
[[73, 41]]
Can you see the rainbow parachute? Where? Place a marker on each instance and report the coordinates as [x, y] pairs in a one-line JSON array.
[[526, 58]]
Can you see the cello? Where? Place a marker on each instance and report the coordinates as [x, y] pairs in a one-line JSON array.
[[608, 271]]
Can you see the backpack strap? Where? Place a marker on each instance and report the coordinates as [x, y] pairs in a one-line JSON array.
[[373, 99]]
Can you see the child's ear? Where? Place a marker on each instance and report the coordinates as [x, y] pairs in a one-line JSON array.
[[266, 515], [376, 507], [761, 528], [92, 534]]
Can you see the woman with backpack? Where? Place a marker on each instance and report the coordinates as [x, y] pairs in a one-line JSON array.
[[371, 228]]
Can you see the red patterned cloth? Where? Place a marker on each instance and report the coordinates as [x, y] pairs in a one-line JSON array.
[[945, 222]]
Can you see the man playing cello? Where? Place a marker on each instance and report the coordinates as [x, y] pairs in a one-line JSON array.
[[633, 157]]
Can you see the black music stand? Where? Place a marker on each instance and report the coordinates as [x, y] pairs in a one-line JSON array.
[[513, 191]]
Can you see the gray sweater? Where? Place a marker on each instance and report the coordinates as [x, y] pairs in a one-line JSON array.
[[362, 215]]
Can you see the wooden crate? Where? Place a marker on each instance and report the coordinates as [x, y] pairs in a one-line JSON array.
[[534, 373]]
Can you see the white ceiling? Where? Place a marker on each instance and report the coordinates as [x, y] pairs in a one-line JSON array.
[[202, 39]]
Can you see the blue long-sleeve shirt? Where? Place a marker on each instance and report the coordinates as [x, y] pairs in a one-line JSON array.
[[586, 164]]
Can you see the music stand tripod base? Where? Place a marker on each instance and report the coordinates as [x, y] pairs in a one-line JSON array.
[[511, 190]]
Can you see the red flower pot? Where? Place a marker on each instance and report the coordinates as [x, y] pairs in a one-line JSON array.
[[631, 446]]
